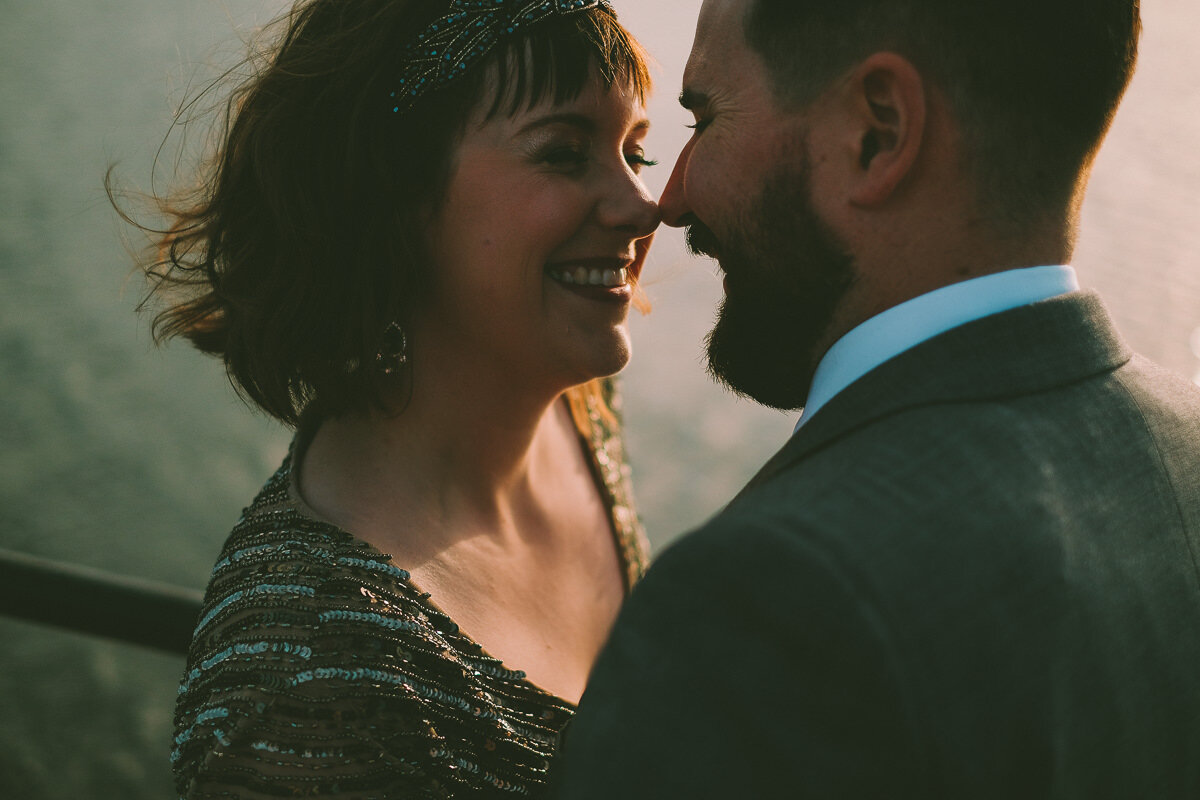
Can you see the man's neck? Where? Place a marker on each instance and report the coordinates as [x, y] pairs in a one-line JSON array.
[[894, 270], [902, 327]]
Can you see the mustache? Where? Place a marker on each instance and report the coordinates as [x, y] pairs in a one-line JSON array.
[[701, 241]]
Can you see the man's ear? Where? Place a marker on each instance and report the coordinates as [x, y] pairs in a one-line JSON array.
[[887, 102]]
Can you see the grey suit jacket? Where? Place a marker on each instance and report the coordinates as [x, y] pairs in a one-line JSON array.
[[973, 574]]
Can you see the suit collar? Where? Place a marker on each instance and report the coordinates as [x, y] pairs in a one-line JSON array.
[[1028, 349]]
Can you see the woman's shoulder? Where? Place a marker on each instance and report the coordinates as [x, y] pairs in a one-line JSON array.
[[606, 442], [310, 636], [288, 583], [277, 554]]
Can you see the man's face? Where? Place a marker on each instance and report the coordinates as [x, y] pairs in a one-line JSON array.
[[743, 188]]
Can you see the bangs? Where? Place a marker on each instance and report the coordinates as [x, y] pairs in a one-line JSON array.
[[555, 61]]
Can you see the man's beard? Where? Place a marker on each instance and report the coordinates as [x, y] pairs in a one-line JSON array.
[[786, 274]]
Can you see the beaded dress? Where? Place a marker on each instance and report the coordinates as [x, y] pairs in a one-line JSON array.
[[318, 670]]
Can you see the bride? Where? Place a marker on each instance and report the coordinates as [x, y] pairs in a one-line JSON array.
[[418, 244]]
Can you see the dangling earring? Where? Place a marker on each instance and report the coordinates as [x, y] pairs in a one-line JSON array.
[[393, 352]]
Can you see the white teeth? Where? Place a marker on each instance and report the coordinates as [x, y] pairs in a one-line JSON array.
[[582, 276]]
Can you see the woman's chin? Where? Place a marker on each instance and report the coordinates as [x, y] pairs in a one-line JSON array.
[[607, 361]]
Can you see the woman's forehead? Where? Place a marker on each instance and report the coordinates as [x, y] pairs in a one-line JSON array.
[[598, 109], [514, 100]]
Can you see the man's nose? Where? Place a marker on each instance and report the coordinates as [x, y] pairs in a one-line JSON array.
[[673, 204]]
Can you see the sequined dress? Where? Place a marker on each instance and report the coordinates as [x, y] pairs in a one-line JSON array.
[[318, 670]]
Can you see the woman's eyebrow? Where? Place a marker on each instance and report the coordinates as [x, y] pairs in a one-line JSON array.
[[582, 121], [577, 120]]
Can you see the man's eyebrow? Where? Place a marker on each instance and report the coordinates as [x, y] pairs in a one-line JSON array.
[[692, 99], [576, 120]]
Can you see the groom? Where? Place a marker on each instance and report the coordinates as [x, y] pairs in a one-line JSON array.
[[972, 571]]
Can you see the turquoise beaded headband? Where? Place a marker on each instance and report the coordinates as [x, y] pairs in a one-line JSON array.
[[469, 31]]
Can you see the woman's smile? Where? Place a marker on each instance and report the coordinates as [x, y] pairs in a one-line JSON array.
[[601, 279]]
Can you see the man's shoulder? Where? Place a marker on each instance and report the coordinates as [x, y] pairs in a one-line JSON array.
[[996, 444], [1162, 397], [956, 487]]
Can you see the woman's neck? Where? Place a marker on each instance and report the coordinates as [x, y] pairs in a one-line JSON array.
[[455, 458]]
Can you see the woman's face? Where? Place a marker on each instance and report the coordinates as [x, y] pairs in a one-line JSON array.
[[545, 224]]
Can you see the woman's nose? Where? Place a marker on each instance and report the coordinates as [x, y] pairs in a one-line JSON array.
[[631, 207]]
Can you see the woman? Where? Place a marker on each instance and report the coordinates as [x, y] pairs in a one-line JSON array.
[[418, 244]]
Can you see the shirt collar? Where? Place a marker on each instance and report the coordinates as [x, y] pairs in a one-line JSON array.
[[902, 327]]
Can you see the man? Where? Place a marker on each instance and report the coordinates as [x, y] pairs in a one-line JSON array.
[[972, 571]]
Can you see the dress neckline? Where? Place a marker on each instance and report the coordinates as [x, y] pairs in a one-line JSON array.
[[601, 477]]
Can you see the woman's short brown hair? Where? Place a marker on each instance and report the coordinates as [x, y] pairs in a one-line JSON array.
[[302, 239]]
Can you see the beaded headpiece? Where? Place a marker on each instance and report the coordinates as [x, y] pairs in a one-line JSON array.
[[446, 49]]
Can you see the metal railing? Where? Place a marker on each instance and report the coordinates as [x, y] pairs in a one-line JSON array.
[[91, 601]]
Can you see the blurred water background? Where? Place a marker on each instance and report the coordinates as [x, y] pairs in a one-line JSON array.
[[123, 457]]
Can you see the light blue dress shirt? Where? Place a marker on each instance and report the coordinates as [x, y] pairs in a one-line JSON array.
[[887, 335]]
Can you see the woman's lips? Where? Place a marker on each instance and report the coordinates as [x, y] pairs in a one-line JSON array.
[[593, 271], [595, 276], [596, 279]]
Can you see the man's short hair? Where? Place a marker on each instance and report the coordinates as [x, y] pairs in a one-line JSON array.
[[1033, 83]]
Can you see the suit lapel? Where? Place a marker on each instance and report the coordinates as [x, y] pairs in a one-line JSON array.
[[1018, 352]]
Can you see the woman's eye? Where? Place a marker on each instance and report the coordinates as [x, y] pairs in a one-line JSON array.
[[565, 157], [637, 160]]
